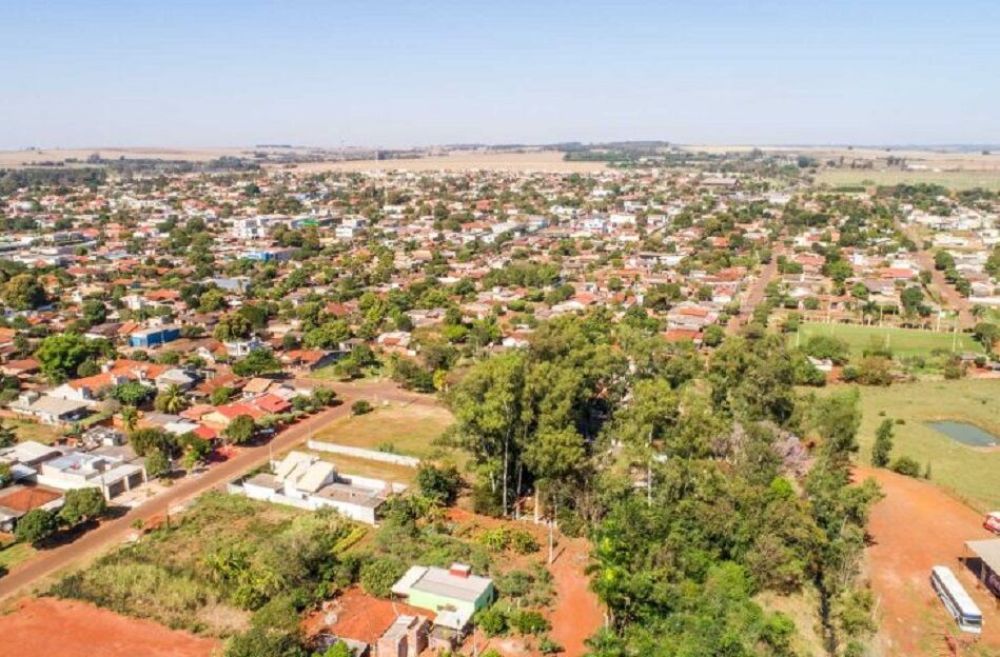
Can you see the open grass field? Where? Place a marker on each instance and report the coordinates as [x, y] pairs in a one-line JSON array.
[[903, 342], [951, 179], [398, 427], [971, 473]]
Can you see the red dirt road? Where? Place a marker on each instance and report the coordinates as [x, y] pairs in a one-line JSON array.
[[577, 614], [62, 628], [917, 526], [48, 562]]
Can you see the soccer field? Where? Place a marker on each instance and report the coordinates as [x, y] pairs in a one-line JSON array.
[[902, 342]]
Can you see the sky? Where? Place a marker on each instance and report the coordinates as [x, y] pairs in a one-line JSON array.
[[392, 74]]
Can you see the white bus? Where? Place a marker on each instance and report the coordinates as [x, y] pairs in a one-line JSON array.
[[956, 600]]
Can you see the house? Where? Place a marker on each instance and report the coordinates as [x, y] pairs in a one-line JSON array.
[[154, 337], [74, 470], [16, 501], [50, 410], [455, 595], [307, 482], [406, 637]]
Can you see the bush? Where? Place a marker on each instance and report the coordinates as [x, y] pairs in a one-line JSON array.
[[549, 647], [528, 622], [904, 465], [378, 575], [523, 542], [496, 540], [361, 407], [439, 484], [492, 621]]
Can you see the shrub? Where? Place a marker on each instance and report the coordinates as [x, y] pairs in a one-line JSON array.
[[492, 621], [361, 407], [439, 484], [495, 539], [528, 622], [904, 465], [523, 542], [549, 647]]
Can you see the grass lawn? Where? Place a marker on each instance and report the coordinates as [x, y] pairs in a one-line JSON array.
[[28, 430], [350, 465], [903, 342], [14, 554], [951, 179], [397, 427], [971, 473]]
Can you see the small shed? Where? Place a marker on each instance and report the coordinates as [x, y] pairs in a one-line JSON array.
[[988, 552]]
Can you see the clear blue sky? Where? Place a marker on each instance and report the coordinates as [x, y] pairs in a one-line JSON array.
[[393, 73]]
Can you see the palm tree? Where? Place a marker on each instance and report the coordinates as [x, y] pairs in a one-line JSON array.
[[171, 400], [130, 418]]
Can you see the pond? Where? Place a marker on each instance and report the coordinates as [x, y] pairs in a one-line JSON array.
[[965, 433]]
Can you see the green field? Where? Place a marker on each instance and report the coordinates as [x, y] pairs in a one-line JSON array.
[[973, 474], [28, 430], [397, 427], [14, 554], [902, 342], [951, 179]]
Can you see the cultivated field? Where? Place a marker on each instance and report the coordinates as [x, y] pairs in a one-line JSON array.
[[396, 427], [28, 158], [965, 179], [968, 472], [541, 161], [64, 628], [902, 342]]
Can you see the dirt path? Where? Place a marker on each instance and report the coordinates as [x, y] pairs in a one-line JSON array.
[[67, 628], [48, 562], [917, 526], [577, 614]]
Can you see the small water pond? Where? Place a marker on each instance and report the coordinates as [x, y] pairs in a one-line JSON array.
[[965, 433]]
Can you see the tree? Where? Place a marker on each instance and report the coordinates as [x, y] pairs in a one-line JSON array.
[[221, 395], [912, 299], [61, 354], [131, 393], [82, 504], [379, 574], [153, 439], [987, 334], [240, 430], [157, 464], [882, 448], [130, 418], [7, 435], [257, 362], [232, 326], [94, 311], [36, 525], [24, 292], [170, 400], [440, 484]]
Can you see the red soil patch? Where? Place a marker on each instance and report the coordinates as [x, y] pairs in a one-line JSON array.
[[359, 616], [64, 628], [915, 527]]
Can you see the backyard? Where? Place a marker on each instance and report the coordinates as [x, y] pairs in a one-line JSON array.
[[968, 472]]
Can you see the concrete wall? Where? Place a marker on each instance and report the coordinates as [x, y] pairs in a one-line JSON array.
[[370, 454]]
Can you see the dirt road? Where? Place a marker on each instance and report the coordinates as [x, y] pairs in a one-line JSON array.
[[48, 562], [952, 299], [917, 526]]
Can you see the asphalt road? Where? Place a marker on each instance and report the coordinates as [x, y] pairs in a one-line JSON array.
[[50, 561]]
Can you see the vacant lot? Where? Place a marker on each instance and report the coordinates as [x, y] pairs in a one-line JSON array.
[[14, 553], [210, 569], [951, 179], [28, 430], [968, 472], [398, 427], [913, 528], [902, 342], [63, 628]]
